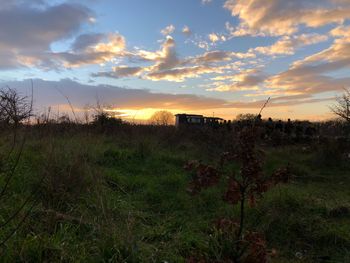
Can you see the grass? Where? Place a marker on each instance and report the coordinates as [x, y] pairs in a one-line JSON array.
[[121, 197]]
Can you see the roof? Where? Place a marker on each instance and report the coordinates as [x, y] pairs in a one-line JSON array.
[[198, 116], [190, 115]]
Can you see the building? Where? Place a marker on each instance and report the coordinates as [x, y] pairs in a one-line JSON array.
[[197, 120]]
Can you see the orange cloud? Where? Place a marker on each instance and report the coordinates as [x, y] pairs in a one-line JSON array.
[[187, 31], [311, 75], [169, 67], [246, 80], [103, 49], [288, 44], [283, 17]]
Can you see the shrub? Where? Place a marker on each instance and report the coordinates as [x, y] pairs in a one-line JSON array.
[[232, 241], [106, 122]]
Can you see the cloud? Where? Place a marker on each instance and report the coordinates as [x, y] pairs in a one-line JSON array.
[[164, 59], [6, 4], [200, 43], [249, 79], [187, 31], [213, 37], [287, 45], [168, 30], [219, 56], [182, 73], [171, 68], [316, 74], [341, 31], [86, 50], [313, 74], [120, 72], [85, 41], [167, 66], [28, 32], [168, 58], [284, 17], [211, 57], [205, 2], [49, 94]]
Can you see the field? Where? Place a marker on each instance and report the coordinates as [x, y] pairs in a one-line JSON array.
[[120, 196]]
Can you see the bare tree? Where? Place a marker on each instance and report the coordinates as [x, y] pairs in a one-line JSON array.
[[342, 106], [162, 118], [14, 108]]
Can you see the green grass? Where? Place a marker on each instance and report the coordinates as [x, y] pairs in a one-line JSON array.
[[122, 198]]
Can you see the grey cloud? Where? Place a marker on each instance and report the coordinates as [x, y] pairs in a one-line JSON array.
[[119, 72], [212, 56], [5, 4], [27, 32], [86, 40], [33, 29], [180, 74], [7, 60], [48, 93], [170, 58]]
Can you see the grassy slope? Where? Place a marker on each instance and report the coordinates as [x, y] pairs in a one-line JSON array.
[[123, 199]]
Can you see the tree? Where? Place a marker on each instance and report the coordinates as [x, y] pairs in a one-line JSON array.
[[342, 106], [162, 118], [246, 117], [103, 118], [14, 108]]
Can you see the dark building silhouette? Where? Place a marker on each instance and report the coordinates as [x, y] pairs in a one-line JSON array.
[[198, 120]]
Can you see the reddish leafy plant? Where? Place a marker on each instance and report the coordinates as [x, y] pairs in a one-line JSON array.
[[245, 186]]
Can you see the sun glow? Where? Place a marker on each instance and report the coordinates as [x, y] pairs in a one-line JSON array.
[[136, 114]]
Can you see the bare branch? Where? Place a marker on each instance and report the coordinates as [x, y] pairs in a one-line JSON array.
[[342, 106]]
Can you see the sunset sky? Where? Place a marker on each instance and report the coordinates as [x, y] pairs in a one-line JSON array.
[[221, 57]]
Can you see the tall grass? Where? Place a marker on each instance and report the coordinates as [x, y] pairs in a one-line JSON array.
[[120, 196]]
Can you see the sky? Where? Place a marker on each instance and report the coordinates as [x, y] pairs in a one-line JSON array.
[[211, 57]]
